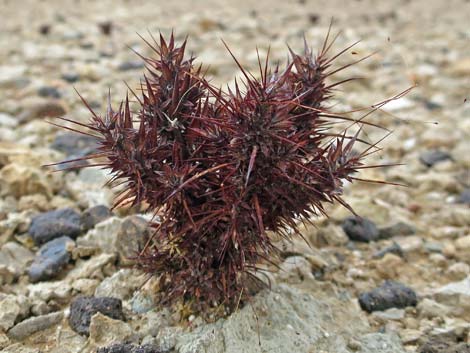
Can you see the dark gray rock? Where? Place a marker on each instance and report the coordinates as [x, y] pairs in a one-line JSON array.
[[71, 77], [52, 257], [360, 229], [83, 308], [75, 145], [390, 295], [106, 27], [53, 224], [48, 91], [429, 158], [130, 65], [397, 229], [392, 249], [95, 215], [130, 348], [464, 197]]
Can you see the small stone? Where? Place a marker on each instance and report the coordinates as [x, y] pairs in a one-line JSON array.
[[103, 235], [32, 325], [93, 267], [392, 249], [130, 65], [16, 257], [390, 295], [9, 311], [7, 120], [410, 336], [44, 29], [389, 266], [410, 243], [70, 77], [438, 259], [398, 104], [433, 247], [4, 340], [390, 314], [42, 109], [53, 224], [94, 215], [121, 284], [458, 271], [52, 257], [83, 308], [463, 243], [429, 158], [106, 27], [360, 229], [397, 229], [142, 302], [130, 348], [106, 331], [454, 293], [443, 345], [18, 180], [131, 237], [75, 145], [49, 92], [429, 308], [464, 197]]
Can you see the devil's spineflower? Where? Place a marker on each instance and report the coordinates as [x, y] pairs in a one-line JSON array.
[[225, 169]]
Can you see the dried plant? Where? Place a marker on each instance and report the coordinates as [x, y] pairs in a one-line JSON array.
[[226, 169]]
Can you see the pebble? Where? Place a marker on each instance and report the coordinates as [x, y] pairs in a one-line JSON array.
[[130, 348], [131, 237], [42, 109], [53, 224], [51, 259], [121, 284], [26, 328], [390, 314], [463, 243], [18, 180], [454, 293], [360, 229], [83, 308], [389, 266], [390, 294], [94, 215], [131, 65], [105, 330], [10, 310], [458, 271], [49, 92], [70, 77], [464, 197], [75, 145], [429, 308], [106, 27], [439, 345], [7, 120], [392, 249], [16, 257], [430, 158], [397, 229]]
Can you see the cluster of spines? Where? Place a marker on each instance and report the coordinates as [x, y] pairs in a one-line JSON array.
[[225, 169]]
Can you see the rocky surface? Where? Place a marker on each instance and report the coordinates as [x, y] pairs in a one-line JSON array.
[[417, 235]]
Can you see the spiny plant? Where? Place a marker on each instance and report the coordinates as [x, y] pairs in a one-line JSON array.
[[225, 169]]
